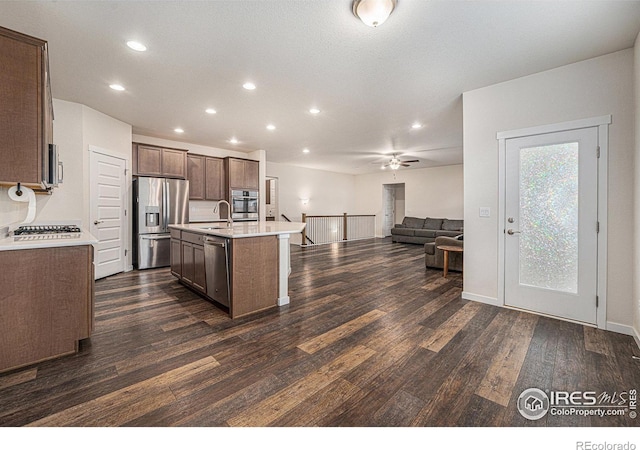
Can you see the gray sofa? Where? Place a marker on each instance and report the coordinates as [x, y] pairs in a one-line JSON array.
[[414, 230], [434, 258]]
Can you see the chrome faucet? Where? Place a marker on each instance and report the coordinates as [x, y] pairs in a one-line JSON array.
[[217, 207]]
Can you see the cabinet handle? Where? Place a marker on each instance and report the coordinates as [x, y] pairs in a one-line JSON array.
[[96, 222]]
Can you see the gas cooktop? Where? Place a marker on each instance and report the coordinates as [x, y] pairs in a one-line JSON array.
[[46, 229], [46, 232]]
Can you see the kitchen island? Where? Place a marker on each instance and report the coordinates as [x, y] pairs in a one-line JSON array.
[[243, 267]]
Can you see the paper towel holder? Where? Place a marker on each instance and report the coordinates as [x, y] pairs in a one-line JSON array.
[[19, 191]]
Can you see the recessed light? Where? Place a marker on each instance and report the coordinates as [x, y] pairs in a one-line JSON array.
[[116, 87], [305, 150], [137, 46], [178, 130], [416, 125], [210, 111], [271, 127], [314, 111], [249, 86], [233, 140]]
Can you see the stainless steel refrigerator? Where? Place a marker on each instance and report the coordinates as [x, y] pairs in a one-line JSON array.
[[157, 203]]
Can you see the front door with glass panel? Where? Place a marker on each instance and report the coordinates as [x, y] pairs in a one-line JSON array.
[[551, 211]]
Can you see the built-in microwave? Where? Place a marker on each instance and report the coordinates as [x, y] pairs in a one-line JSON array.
[[52, 168], [244, 205]]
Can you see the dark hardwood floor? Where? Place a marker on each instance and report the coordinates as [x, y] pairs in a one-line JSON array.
[[370, 338]]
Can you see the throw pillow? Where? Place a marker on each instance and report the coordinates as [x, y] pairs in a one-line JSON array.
[[432, 224]]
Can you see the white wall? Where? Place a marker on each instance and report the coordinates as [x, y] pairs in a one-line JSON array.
[[431, 192], [591, 88], [329, 193]]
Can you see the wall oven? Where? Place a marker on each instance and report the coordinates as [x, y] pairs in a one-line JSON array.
[[244, 205]]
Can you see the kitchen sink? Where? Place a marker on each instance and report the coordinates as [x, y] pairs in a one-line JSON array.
[[221, 227]]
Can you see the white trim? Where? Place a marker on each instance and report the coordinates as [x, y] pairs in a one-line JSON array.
[[555, 127], [603, 183], [284, 269], [602, 123], [92, 149], [550, 316], [620, 328], [480, 298], [502, 181]]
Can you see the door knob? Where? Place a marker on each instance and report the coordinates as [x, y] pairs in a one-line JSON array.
[[510, 231], [96, 222]]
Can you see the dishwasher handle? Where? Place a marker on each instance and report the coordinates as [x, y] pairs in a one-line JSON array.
[[209, 241]]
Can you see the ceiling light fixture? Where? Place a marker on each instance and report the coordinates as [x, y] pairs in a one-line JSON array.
[[314, 111], [249, 86], [137, 46], [116, 87], [210, 111], [271, 127], [178, 130], [305, 150], [394, 164], [233, 141], [416, 126], [373, 12]]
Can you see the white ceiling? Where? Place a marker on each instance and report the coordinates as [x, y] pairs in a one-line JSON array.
[[370, 84]]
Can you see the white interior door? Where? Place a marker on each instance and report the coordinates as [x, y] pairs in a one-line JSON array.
[[399, 203], [388, 209], [108, 187], [551, 213]]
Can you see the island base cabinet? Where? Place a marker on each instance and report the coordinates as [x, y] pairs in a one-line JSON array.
[[46, 303], [254, 275], [253, 270]]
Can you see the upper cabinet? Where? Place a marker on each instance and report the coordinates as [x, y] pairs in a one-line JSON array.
[[242, 174], [214, 184], [196, 176], [152, 161], [26, 109], [206, 177]]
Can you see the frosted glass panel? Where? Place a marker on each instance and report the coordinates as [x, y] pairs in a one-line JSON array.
[[549, 217]]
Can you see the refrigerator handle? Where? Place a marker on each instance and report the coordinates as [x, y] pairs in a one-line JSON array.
[[165, 205]]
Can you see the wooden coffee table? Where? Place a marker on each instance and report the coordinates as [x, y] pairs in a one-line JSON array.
[[446, 249]]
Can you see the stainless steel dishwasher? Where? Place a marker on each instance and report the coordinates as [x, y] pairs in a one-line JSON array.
[[216, 255]]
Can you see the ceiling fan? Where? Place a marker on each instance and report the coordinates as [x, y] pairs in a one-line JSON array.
[[395, 163]]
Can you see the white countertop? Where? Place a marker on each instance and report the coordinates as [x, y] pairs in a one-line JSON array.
[[46, 241], [242, 229]]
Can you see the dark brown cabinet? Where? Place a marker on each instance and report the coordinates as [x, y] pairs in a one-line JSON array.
[[174, 163], [252, 265], [26, 108], [196, 176], [193, 266], [176, 253], [152, 161], [206, 177], [242, 174], [46, 303], [214, 185]]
